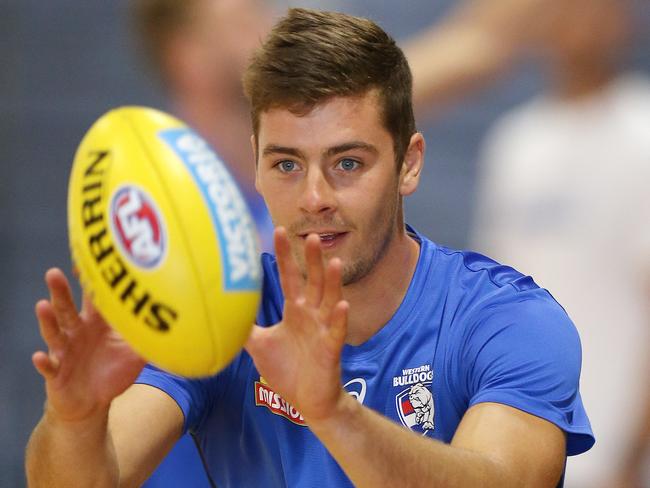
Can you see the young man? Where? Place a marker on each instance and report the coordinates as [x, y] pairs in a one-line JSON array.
[[364, 325]]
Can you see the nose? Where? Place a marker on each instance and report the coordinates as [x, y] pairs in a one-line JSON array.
[[317, 195]]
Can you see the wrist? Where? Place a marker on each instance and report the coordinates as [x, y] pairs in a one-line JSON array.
[[92, 422], [341, 416], [57, 444]]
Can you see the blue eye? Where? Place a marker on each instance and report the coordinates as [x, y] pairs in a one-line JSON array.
[[348, 164], [287, 166]]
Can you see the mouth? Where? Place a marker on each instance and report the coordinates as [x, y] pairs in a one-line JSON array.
[[328, 239]]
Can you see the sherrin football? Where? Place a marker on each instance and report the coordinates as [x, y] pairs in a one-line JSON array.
[[163, 241]]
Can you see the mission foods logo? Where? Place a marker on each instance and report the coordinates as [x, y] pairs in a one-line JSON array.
[[138, 226], [265, 396], [232, 222], [132, 231]]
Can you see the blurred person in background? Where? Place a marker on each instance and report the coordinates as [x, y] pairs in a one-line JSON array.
[[198, 49], [565, 196]]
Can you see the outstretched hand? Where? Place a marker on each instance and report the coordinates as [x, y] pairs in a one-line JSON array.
[[87, 363], [300, 356]]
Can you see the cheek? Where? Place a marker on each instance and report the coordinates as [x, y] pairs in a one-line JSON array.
[[279, 202], [378, 202]]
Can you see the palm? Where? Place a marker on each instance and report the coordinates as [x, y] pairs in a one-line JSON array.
[[302, 365], [299, 357], [89, 364]]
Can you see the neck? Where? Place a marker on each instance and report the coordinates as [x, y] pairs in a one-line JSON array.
[[386, 285]]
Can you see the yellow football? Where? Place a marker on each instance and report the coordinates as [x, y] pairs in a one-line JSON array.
[[163, 241]]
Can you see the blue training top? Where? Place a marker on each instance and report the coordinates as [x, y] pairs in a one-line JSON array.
[[469, 330]]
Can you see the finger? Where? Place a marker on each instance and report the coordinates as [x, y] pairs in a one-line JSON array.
[[295, 319], [65, 309], [45, 364], [90, 314], [48, 325], [88, 309], [332, 289], [315, 271], [290, 279], [339, 325]]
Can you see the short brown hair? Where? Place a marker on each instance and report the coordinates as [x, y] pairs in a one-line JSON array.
[[311, 56]]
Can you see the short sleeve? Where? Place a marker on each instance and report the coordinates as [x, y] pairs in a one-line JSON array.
[[194, 396], [527, 354]]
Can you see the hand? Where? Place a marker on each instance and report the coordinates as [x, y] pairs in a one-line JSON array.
[[87, 363], [300, 356]]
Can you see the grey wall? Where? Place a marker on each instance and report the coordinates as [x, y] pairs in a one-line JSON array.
[[62, 64]]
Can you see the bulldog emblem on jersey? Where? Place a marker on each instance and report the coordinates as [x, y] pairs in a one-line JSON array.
[[415, 407]]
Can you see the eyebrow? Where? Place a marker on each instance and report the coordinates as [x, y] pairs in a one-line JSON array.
[[275, 149], [332, 151], [348, 146]]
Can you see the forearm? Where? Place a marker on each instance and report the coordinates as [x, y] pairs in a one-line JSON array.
[[65, 454], [473, 45], [449, 62], [375, 452]]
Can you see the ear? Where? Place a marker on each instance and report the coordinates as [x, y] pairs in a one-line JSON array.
[[412, 165], [257, 164]]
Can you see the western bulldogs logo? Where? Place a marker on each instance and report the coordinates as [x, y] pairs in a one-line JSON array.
[[415, 408], [137, 226]]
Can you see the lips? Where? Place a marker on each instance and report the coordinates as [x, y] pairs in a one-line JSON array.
[[324, 235], [329, 239]]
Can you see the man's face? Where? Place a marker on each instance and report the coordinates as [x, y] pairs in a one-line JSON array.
[[332, 172]]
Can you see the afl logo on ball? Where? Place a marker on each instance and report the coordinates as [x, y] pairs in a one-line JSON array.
[[137, 226]]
